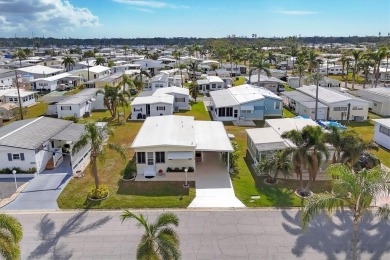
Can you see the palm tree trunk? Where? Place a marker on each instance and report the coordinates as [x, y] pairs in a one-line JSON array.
[[94, 171], [355, 238], [387, 65], [353, 77], [258, 78]]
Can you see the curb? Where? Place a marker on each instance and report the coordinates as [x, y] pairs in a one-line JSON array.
[[6, 201]]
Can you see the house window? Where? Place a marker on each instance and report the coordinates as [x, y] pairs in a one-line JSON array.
[[182, 99], [229, 111], [160, 108], [141, 157], [137, 109], [15, 156], [277, 105], [384, 130], [357, 108], [160, 157], [66, 108], [213, 85], [246, 111], [340, 109]]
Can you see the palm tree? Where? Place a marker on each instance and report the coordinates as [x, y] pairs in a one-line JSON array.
[[335, 137], [293, 53], [260, 64], [20, 55], [193, 67], [114, 97], [271, 57], [160, 240], [279, 162], [357, 55], [230, 54], [301, 66], [110, 63], [125, 48], [378, 56], [354, 148], [194, 90], [177, 54], [100, 60], [354, 191], [67, 61], [365, 65], [312, 61], [95, 136], [11, 234], [345, 60]]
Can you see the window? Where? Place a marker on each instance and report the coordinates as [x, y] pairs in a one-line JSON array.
[[160, 108], [384, 130], [137, 109], [141, 157], [340, 109], [66, 108], [182, 99], [213, 85], [277, 105], [246, 111], [15, 156], [357, 108], [229, 111], [160, 157]]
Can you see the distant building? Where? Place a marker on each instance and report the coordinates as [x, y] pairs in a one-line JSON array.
[[379, 99]]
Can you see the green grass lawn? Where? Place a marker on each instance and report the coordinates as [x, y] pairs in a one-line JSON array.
[[198, 111], [359, 79], [287, 113], [240, 81], [366, 131], [123, 194]]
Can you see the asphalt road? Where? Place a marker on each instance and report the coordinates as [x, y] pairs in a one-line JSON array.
[[228, 234]]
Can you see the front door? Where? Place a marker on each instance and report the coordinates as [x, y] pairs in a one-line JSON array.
[[150, 158], [147, 110]]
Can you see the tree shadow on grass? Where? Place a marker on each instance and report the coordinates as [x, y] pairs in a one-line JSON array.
[[50, 237], [333, 236]]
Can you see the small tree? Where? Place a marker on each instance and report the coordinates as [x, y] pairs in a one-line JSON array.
[[11, 234], [279, 162], [233, 156], [114, 97], [160, 240], [194, 90], [354, 191]]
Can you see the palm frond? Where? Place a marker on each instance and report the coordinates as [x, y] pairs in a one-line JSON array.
[[384, 212], [117, 148], [166, 219]]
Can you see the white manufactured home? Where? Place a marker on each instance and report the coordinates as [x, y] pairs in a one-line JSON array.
[[382, 132], [149, 106]]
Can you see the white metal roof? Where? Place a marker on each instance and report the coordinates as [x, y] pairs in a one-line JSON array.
[[39, 69], [54, 78], [281, 125], [171, 90], [80, 97], [324, 95], [13, 92], [166, 131], [266, 139], [214, 79], [236, 96], [98, 69], [383, 121], [164, 98], [211, 136]]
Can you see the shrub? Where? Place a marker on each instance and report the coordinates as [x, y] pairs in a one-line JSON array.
[[176, 169], [32, 170], [71, 118], [129, 171], [191, 169], [169, 169], [183, 169], [100, 193]]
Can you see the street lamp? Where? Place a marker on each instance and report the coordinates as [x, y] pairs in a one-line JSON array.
[[185, 185], [16, 184]]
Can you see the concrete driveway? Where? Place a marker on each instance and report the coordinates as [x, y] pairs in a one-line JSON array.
[[42, 191], [213, 185]]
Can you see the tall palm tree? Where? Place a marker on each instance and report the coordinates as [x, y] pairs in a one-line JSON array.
[[20, 55], [11, 234], [114, 97], [177, 54], [270, 57], [260, 64], [336, 138], [378, 56], [279, 162], [95, 136], [354, 191], [357, 55], [100, 60], [293, 51], [365, 65], [230, 56], [193, 67], [301, 66], [312, 61], [67, 61], [160, 240], [194, 90], [345, 60]]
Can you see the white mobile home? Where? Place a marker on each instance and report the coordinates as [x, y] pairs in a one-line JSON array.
[[39, 71], [382, 132], [180, 143], [11, 96], [379, 99], [181, 97], [210, 83], [38, 143], [143, 107]]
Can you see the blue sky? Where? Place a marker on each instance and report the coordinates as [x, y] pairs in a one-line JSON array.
[[193, 18]]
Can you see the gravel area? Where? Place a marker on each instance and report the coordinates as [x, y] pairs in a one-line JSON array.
[[7, 186]]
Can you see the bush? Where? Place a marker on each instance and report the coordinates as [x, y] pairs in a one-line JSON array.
[[176, 169], [100, 193], [18, 170], [129, 172], [191, 169], [32, 170], [169, 169], [71, 118]]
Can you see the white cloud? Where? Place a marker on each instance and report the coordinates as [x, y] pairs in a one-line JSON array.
[[296, 12], [43, 16], [145, 10], [150, 4]]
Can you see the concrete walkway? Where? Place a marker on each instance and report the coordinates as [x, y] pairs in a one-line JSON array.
[[42, 192], [213, 185]]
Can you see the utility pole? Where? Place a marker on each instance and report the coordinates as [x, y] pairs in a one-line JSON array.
[[317, 78], [20, 102]]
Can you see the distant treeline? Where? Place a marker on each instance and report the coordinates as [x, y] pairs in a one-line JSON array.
[[182, 41]]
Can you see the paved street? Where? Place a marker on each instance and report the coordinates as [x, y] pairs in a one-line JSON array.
[[240, 234]]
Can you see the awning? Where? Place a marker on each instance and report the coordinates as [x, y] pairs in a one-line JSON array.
[[180, 155], [247, 108]]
